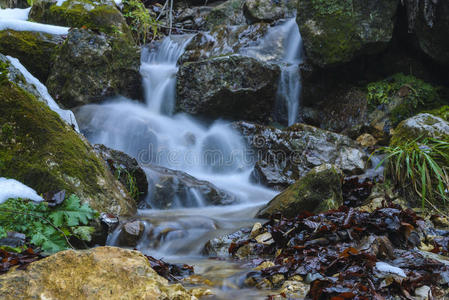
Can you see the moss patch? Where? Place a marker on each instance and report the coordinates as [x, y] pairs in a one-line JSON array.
[[442, 112]]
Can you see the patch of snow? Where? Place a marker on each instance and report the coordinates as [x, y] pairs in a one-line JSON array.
[[14, 14], [383, 267], [118, 3], [20, 25], [60, 2], [11, 188], [66, 115]]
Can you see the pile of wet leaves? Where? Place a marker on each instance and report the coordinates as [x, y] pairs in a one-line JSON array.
[[350, 254], [12, 258], [355, 190], [171, 272]]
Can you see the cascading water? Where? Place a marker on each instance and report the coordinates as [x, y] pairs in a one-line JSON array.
[[287, 38], [214, 153]]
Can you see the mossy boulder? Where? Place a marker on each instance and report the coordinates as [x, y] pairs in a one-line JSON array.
[[91, 67], [420, 126], [42, 151], [229, 12], [233, 87], [429, 20], [35, 50], [99, 273], [319, 190], [285, 155], [336, 31], [102, 15], [442, 112], [269, 10]]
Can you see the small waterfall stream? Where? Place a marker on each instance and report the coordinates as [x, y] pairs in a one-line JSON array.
[[214, 153]]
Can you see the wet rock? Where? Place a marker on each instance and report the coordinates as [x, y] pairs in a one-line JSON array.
[[131, 233], [319, 190], [229, 12], [14, 4], [91, 67], [193, 18], [173, 188], [269, 10], [337, 32], [219, 247], [421, 126], [295, 289], [221, 41], [286, 155], [35, 50], [366, 140], [13, 239], [126, 168], [102, 16], [99, 273], [231, 87], [430, 22], [42, 151]]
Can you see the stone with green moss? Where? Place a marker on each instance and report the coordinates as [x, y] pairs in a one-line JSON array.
[[419, 127], [91, 67], [42, 151], [227, 13], [269, 10], [442, 112], [35, 50], [336, 31], [319, 190], [102, 15]]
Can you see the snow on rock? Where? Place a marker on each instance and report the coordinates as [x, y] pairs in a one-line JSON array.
[[11, 188], [66, 115], [383, 267], [16, 19]]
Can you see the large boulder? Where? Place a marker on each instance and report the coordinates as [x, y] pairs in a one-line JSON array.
[[421, 126], [127, 169], [269, 10], [232, 87], [42, 151], [35, 50], [319, 190], [171, 188], [285, 155], [229, 12], [91, 67], [99, 273], [429, 20], [102, 16], [335, 32]]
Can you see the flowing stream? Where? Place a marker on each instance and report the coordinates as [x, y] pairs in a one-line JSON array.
[[209, 152]]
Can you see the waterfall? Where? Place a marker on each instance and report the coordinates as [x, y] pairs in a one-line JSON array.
[[287, 38]]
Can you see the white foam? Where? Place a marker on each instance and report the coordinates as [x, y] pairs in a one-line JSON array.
[[66, 115], [11, 188]]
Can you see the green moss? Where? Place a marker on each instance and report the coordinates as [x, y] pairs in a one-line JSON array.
[[143, 26], [3, 72], [35, 50], [39, 149], [442, 112], [414, 94]]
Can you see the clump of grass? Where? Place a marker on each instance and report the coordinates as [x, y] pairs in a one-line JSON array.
[[130, 182], [420, 166], [143, 26]]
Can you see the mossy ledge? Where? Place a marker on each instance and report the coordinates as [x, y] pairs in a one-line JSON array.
[[39, 149]]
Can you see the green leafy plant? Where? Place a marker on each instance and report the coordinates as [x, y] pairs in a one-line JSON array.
[[142, 24], [48, 227], [420, 165]]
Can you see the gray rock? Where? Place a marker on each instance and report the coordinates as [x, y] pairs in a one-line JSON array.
[[319, 190], [219, 247], [124, 166], [284, 156], [269, 10], [232, 87], [229, 12], [130, 233], [171, 188], [421, 126], [91, 67]]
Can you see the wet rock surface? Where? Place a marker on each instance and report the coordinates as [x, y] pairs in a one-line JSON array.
[[91, 67], [319, 190], [126, 168], [269, 10], [232, 87], [286, 155], [421, 126], [171, 188]]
